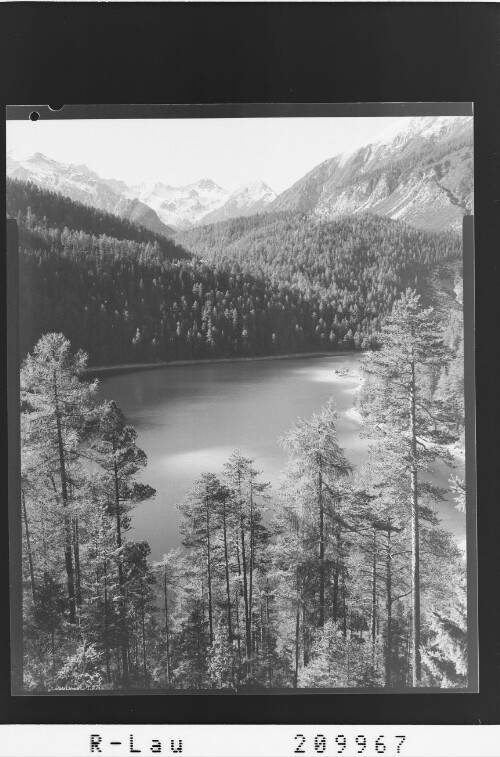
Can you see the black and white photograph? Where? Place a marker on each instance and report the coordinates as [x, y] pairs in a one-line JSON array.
[[243, 423]]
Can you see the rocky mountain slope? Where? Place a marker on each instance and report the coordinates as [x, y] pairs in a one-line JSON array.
[[81, 184], [183, 206], [420, 171], [157, 206], [250, 198]]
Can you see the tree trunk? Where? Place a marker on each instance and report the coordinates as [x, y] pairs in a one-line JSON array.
[[68, 535], [209, 574], [245, 591], [348, 645], [415, 546], [374, 590], [245, 582], [252, 550], [336, 572], [297, 638], [106, 622], [408, 658], [305, 637], [344, 607], [226, 564], [144, 639], [238, 631], [53, 648], [388, 583], [121, 579], [167, 630], [136, 645], [76, 552], [28, 548], [321, 549]]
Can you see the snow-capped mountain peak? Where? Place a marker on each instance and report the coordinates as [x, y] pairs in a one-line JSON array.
[[158, 204], [251, 197], [252, 192], [425, 127], [80, 183], [418, 170], [182, 206], [207, 184]]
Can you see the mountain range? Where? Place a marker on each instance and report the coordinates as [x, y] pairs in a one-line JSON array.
[[157, 206], [81, 184], [419, 171], [185, 206], [247, 199]]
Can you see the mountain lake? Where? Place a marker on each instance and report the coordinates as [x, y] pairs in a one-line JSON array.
[[190, 418]]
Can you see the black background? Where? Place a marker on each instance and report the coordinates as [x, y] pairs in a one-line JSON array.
[[61, 53]]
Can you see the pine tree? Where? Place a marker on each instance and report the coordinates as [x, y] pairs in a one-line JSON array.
[[57, 409], [140, 581], [198, 528], [398, 405], [248, 505], [119, 458], [317, 464], [446, 650], [169, 570]]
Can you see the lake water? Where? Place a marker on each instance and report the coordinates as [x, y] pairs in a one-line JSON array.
[[190, 418]]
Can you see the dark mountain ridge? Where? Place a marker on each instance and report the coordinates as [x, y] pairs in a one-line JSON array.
[[81, 184], [60, 211]]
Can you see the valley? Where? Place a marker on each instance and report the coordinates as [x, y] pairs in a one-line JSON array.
[[242, 414]]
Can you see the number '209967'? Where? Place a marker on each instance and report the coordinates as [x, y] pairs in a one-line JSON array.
[[357, 745]]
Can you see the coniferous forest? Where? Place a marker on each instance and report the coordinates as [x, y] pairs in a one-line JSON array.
[[286, 284], [337, 577]]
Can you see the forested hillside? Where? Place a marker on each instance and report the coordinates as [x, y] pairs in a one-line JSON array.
[[59, 212], [352, 255], [352, 269], [261, 286]]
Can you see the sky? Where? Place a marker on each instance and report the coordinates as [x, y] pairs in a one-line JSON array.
[[230, 151]]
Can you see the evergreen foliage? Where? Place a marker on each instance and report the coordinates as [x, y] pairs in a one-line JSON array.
[[401, 406], [319, 595], [264, 285], [28, 200], [332, 581]]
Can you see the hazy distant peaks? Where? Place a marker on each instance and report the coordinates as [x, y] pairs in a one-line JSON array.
[[252, 197], [80, 183], [162, 204], [418, 170], [204, 201], [253, 187]]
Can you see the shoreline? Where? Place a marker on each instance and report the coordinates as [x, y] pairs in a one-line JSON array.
[[129, 367]]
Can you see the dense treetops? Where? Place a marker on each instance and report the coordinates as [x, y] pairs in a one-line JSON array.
[[59, 212], [355, 261], [351, 270], [269, 284]]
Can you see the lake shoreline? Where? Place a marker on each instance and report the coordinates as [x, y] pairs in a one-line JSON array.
[[129, 367], [190, 420]]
